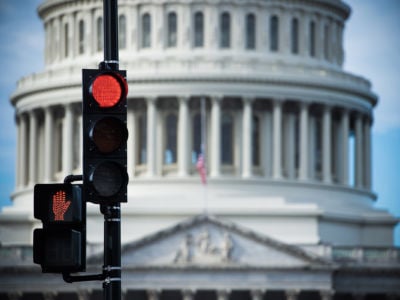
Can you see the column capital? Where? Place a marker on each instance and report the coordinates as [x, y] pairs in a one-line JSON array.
[[257, 294], [291, 294], [188, 294], [327, 294], [248, 99], [216, 98], [223, 294], [153, 294]]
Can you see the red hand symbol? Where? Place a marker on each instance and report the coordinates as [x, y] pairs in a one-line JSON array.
[[60, 205]]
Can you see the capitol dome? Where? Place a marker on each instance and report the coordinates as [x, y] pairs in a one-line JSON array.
[[287, 139], [280, 114]]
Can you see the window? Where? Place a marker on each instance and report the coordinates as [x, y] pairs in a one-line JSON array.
[[142, 139], [295, 36], [146, 31], [198, 29], [227, 139], [225, 30], [273, 33], [250, 31], [81, 41], [312, 38], [172, 30], [256, 140], [66, 39], [99, 32], [122, 32], [170, 152], [326, 42]]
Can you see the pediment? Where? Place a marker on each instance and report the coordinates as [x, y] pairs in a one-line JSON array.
[[205, 241]]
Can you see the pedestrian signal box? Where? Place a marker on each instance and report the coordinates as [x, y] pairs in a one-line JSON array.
[[60, 246]]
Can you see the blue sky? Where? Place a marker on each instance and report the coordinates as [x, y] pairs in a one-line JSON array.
[[372, 45]]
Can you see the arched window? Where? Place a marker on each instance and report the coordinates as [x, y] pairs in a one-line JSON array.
[[256, 141], [99, 33], [198, 29], [312, 38], [196, 141], [81, 37], [142, 140], [295, 36], [146, 31], [122, 32], [250, 31], [66, 40], [225, 30], [326, 41], [170, 152], [172, 30], [274, 33], [227, 139]]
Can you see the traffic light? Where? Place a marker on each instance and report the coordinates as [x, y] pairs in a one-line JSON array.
[[60, 246], [105, 136]]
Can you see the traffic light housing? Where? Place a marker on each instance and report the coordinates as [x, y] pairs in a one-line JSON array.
[[105, 136], [60, 246]]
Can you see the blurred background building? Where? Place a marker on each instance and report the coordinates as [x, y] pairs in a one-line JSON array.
[[287, 211]]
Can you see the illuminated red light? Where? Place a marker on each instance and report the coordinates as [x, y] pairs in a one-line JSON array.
[[60, 205], [106, 90]]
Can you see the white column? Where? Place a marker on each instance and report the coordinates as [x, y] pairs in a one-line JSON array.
[[48, 144], [67, 142], [23, 150], [303, 167], [183, 140], [151, 136], [277, 140], [290, 145], [132, 141], [267, 143], [80, 143], [358, 152], [312, 146], [18, 154], [32, 148], [247, 138], [326, 145], [215, 136], [367, 154], [344, 168]]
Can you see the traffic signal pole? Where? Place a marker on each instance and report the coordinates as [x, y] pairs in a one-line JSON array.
[[60, 246], [112, 213]]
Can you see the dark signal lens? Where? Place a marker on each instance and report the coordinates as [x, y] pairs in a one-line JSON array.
[[106, 90], [108, 134], [107, 179]]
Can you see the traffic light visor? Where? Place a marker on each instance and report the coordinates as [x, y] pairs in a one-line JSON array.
[[107, 90]]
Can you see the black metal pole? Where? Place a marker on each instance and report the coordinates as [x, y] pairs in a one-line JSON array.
[[112, 251], [112, 213], [110, 16]]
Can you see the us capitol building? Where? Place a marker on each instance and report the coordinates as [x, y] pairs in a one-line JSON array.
[[287, 212]]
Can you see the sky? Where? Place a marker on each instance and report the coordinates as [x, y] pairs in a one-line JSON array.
[[372, 47]]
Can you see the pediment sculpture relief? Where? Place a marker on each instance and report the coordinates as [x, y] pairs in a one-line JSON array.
[[203, 248]]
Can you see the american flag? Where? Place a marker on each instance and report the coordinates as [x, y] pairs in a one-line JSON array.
[[201, 168]]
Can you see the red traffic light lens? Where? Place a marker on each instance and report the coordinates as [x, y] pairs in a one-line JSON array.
[[108, 134], [106, 90]]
